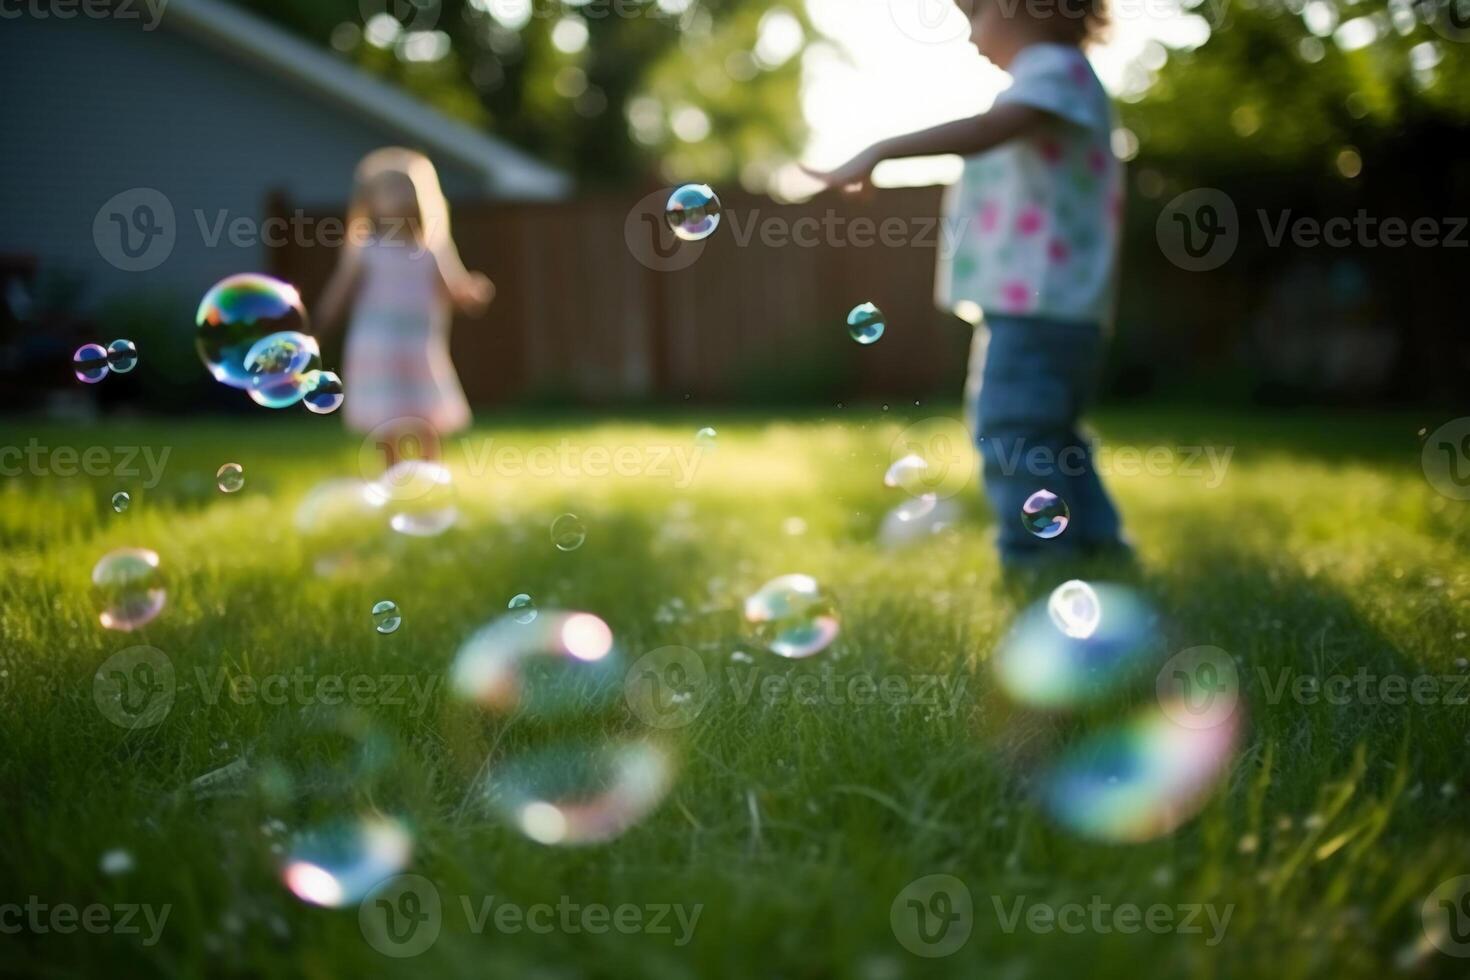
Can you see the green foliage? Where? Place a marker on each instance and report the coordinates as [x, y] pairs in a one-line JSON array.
[[502, 70]]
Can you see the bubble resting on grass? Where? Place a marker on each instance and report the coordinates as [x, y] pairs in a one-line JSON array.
[[386, 618], [706, 438], [89, 363], [235, 314], [337, 864], [418, 496], [907, 473], [130, 588], [335, 521], [230, 477], [693, 212], [792, 616], [1138, 781], [1042, 662], [1045, 515]]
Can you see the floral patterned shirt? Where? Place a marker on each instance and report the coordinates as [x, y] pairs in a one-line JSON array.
[[1038, 217]]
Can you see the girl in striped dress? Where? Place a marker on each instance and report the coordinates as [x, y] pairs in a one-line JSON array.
[[401, 275]]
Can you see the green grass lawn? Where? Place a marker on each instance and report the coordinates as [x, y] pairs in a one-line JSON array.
[[791, 827]]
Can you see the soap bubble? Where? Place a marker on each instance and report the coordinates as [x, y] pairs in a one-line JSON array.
[[865, 323], [335, 520], [568, 532], [128, 583], [121, 500], [1075, 609], [419, 497], [1045, 514], [792, 616], [559, 664], [908, 473], [323, 391], [339, 863], [277, 365], [579, 793], [1082, 642], [1140, 780], [693, 212], [230, 477], [904, 526], [122, 356], [235, 314], [523, 607], [705, 438], [90, 363], [386, 618]]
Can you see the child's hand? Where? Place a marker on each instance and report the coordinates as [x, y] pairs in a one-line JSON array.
[[854, 176], [473, 292]]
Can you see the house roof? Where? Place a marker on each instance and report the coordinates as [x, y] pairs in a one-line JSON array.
[[507, 171]]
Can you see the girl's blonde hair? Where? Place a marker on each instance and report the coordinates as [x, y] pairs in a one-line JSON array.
[[415, 172]]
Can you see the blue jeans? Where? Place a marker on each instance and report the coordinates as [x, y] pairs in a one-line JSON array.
[[1038, 376]]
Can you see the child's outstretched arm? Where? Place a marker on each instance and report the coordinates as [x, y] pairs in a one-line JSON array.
[[470, 291], [965, 137], [341, 289]]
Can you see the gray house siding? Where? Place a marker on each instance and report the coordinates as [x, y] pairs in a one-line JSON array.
[[209, 133]]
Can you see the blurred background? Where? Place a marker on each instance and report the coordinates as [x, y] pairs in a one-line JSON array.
[[155, 146]]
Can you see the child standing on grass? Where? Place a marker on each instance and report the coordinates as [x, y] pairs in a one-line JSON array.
[[401, 273], [1040, 204]]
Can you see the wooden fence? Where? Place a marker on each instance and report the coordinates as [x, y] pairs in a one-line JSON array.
[[592, 308]]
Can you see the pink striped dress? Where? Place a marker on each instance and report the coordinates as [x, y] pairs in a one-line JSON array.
[[397, 362]]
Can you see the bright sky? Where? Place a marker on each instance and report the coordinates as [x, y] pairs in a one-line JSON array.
[[907, 64]]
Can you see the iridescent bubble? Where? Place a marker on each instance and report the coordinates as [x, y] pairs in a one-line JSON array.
[[693, 212], [1078, 645], [122, 356], [1075, 609], [129, 587], [706, 438], [1140, 780], [792, 616], [523, 607], [323, 391], [335, 521], [568, 532], [338, 864], [907, 473], [556, 664], [230, 477], [418, 496], [580, 793], [904, 526], [90, 363], [1045, 514], [865, 323], [121, 500], [235, 314], [915, 508], [386, 618], [116, 862], [278, 364]]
